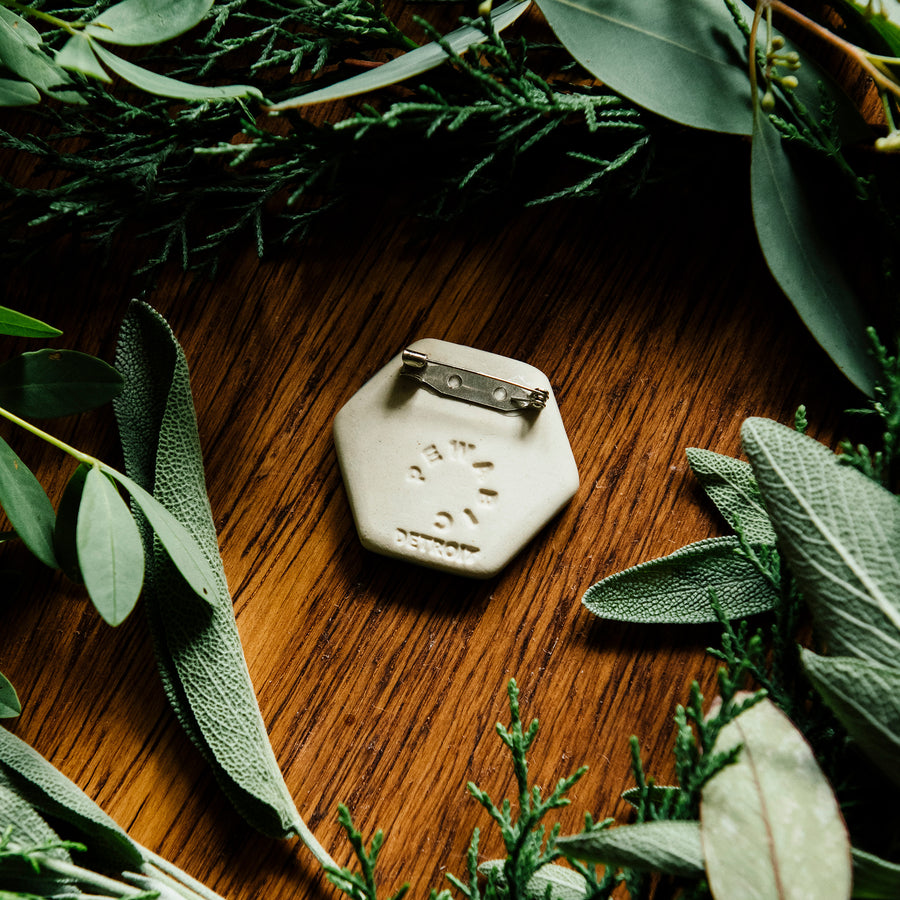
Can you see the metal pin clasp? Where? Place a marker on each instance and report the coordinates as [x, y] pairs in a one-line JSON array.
[[472, 387]]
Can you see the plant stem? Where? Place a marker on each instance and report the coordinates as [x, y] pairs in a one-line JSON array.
[[44, 436], [311, 842], [38, 14], [162, 870], [110, 886]]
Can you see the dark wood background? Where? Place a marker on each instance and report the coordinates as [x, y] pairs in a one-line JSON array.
[[380, 682]]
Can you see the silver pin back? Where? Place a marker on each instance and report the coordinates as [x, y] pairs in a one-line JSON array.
[[472, 387]]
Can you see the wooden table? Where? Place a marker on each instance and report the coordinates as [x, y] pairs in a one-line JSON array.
[[380, 682]]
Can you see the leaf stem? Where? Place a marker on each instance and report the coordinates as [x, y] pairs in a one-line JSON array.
[[71, 28], [110, 886], [43, 435], [162, 870]]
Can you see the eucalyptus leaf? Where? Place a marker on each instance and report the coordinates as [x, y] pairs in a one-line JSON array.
[[26, 505], [19, 325], [110, 552], [730, 484], [18, 93], [770, 824], [840, 533], [550, 882], [671, 847], [874, 878], [410, 64], [685, 61], [163, 86], [802, 261], [198, 650], [64, 534], [54, 795], [865, 697], [48, 383], [135, 22], [675, 589], [9, 700], [77, 54]]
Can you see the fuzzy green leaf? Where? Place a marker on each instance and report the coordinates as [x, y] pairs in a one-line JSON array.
[[163, 86], [51, 793], [550, 882], [802, 261], [19, 325], [9, 700], [18, 93], [770, 824], [874, 878], [730, 484], [198, 649], [26, 505], [669, 847], [28, 827], [410, 64], [65, 533], [49, 383], [684, 60], [840, 533], [676, 589], [77, 55], [865, 697], [110, 552], [135, 22]]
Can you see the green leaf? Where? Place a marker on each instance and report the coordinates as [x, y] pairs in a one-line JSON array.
[[9, 700], [198, 650], [676, 589], [64, 534], [802, 261], [163, 86], [19, 325], [77, 54], [28, 827], [410, 64], [110, 552], [135, 22], [51, 793], [17, 93], [550, 882], [840, 533], [670, 847], [730, 484], [27, 506], [659, 793], [770, 824], [874, 878], [49, 383], [865, 697], [684, 61], [181, 547]]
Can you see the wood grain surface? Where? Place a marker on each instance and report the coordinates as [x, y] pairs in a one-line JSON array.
[[381, 682]]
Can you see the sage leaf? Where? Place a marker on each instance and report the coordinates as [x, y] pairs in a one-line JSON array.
[[182, 548], [17, 93], [163, 86], [874, 878], [9, 701], [770, 824], [49, 383], [550, 882], [77, 55], [198, 649], [19, 325], [110, 552], [28, 828], [730, 484], [670, 847], [410, 64], [675, 589], [802, 261], [135, 22], [26, 505], [684, 61], [840, 533], [865, 697], [55, 796], [65, 543]]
